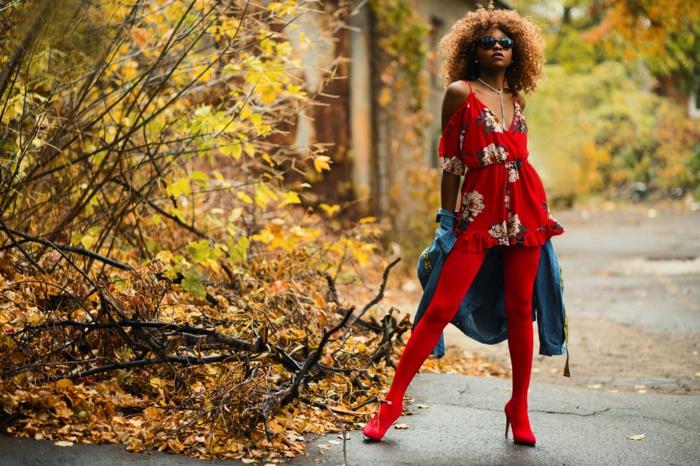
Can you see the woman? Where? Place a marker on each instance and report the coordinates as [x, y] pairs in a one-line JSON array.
[[491, 55]]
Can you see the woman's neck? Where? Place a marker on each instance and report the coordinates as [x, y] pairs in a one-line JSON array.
[[496, 80]]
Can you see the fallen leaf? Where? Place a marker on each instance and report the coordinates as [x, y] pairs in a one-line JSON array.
[[63, 443], [152, 413], [636, 437], [64, 383], [401, 426]]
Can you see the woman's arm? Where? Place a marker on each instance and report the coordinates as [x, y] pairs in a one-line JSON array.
[[455, 95], [449, 191]]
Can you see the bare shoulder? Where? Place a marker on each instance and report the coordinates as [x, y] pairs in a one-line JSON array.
[[455, 96]]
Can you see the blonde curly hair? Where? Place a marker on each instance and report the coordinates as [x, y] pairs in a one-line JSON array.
[[458, 47]]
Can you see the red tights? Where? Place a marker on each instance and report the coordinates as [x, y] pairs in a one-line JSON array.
[[520, 265]]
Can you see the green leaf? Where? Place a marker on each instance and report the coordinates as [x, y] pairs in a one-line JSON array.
[[200, 251], [193, 284]]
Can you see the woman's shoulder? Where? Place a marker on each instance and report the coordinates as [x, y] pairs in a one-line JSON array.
[[455, 97], [457, 91]]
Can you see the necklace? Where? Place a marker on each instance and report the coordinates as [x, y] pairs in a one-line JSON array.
[[500, 98]]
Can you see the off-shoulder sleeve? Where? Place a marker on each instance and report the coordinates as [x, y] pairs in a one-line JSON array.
[[450, 147]]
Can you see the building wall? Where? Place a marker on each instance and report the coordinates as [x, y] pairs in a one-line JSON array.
[[368, 149], [440, 14]]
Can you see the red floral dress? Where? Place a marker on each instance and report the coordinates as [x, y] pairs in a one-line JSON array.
[[503, 201]]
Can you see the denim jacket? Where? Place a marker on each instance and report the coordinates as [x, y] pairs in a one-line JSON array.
[[481, 313]]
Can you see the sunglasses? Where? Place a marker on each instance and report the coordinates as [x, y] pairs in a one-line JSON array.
[[488, 42]]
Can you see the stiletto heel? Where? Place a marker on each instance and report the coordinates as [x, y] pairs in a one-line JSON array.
[[380, 422], [523, 435]]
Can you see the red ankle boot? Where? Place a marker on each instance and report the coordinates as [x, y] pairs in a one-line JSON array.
[[383, 419], [522, 434]]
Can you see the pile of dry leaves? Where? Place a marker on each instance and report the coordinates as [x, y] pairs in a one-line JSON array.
[[265, 358]]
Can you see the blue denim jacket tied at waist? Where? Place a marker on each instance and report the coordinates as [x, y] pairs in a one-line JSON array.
[[482, 315]]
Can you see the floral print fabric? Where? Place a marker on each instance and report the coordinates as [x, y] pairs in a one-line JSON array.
[[502, 201]]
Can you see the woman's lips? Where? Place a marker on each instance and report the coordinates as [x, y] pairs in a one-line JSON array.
[[497, 55]]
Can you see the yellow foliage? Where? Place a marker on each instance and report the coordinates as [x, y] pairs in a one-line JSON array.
[[330, 210], [322, 162], [290, 198]]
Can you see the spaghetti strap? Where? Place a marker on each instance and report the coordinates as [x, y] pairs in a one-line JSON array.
[[471, 91]]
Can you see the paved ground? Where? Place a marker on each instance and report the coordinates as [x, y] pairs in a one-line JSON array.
[[574, 426]]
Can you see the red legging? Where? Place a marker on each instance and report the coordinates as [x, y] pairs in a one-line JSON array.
[[520, 265]]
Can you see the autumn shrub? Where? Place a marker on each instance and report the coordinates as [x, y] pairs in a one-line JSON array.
[[163, 282]]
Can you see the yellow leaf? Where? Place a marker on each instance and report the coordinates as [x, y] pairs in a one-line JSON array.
[[368, 219], [232, 150], [263, 195], [164, 256], [330, 210], [178, 213], [235, 214], [290, 198], [181, 187], [249, 149], [266, 158], [87, 241], [156, 382], [244, 197], [63, 443], [198, 175], [322, 163]]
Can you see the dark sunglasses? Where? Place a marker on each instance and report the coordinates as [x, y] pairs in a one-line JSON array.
[[488, 42]]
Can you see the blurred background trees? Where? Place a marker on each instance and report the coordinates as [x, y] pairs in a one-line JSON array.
[[618, 114]]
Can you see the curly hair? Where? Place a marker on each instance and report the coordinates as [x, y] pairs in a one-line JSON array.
[[458, 47]]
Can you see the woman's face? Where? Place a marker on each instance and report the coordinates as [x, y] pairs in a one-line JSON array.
[[497, 57]]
